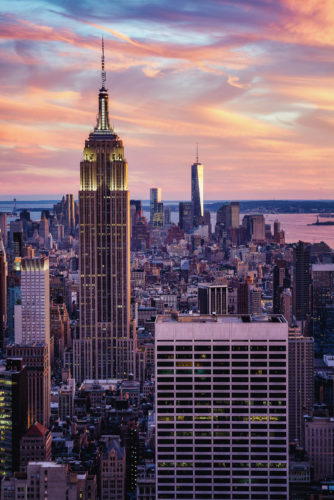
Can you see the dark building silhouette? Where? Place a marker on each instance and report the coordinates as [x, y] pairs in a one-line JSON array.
[[281, 280], [301, 281], [13, 414], [186, 216]]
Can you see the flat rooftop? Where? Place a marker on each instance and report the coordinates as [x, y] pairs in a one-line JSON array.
[[226, 318]]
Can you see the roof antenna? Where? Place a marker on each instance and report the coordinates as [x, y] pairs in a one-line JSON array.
[[196, 152], [103, 73]]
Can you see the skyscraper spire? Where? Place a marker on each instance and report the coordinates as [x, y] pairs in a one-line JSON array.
[[196, 152], [103, 123], [103, 73]]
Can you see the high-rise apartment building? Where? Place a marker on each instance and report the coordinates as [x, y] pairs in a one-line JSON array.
[[3, 291], [35, 445], [36, 359], [229, 215], [212, 298], [197, 180], [301, 280], [32, 316], [301, 385], [221, 407], [104, 348]]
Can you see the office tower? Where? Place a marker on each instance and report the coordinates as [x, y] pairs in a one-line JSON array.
[[167, 215], [35, 445], [300, 383], [235, 214], [104, 348], [186, 216], [3, 291], [51, 481], [197, 179], [112, 469], [13, 414], [229, 215], [322, 308], [281, 280], [243, 298], [221, 407], [258, 231], [301, 280], [14, 296], [319, 444], [32, 316], [36, 360], [3, 228], [156, 207], [212, 298], [70, 213], [43, 230]]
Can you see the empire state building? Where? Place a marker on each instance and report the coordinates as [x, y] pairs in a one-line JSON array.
[[104, 348]]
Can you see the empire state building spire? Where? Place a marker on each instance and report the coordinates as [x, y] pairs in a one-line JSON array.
[[103, 123]]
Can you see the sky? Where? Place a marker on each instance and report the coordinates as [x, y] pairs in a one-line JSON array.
[[252, 81]]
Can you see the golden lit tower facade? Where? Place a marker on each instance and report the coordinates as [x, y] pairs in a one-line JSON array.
[[104, 348]]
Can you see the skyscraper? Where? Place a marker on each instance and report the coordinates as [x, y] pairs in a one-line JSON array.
[[197, 192], [3, 291], [221, 407], [302, 280], [104, 349], [32, 316], [156, 207]]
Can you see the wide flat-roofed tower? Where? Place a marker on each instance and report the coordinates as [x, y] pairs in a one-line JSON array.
[[221, 407], [104, 348]]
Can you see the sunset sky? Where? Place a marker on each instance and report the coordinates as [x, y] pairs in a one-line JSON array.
[[252, 81]]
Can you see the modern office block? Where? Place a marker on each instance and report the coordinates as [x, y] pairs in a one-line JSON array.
[[221, 407], [301, 280]]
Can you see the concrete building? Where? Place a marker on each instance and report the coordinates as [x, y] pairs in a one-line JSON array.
[[301, 389], [301, 280], [36, 359], [49, 480], [221, 407], [35, 445], [32, 316], [112, 469], [319, 444], [66, 396], [212, 298], [3, 228], [156, 207]]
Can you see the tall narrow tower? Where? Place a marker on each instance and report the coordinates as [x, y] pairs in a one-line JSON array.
[[103, 349], [197, 191]]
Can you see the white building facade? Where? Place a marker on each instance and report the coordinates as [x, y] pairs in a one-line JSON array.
[[221, 407]]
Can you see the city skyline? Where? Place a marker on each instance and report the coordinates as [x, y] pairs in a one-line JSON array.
[[251, 83]]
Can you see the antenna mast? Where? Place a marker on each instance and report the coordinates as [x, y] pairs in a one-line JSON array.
[[103, 73]]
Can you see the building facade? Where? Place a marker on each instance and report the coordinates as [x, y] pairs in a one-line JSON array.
[[221, 407], [104, 347]]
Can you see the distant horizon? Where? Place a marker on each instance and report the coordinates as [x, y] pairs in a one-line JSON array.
[[36, 199]]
